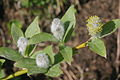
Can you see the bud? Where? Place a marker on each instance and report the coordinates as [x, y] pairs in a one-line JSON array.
[[57, 28], [22, 44], [42, 60], [94, 26]]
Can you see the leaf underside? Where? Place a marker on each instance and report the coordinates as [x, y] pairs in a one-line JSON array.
[[97, 46]]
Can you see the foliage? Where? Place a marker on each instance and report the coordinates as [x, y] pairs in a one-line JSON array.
[[97, 45]]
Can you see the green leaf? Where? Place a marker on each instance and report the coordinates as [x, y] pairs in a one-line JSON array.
[[69, 21], [66, 53], [30, 49], [2, 74], [16, 33], [33, 28], [1, 62], [97, 46], [48, 50], [42, 37], [54, 71], [31, 65], [58, 58], [110, 27], [10, 54]]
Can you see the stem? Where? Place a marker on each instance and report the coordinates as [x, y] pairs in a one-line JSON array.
[[18, 73], [81, 45]]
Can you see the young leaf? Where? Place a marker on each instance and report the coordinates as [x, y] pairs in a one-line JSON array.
[[16, 33], [10, 54], [97, 46], [110, 27], [69, 22], [66, 53], [42, 37], [1, 62], [32, 29], [54, 71], [48, 50], [30, 64]]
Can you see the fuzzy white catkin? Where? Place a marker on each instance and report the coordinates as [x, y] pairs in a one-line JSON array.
[[42, 60], [57, 28], [22, 44]]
